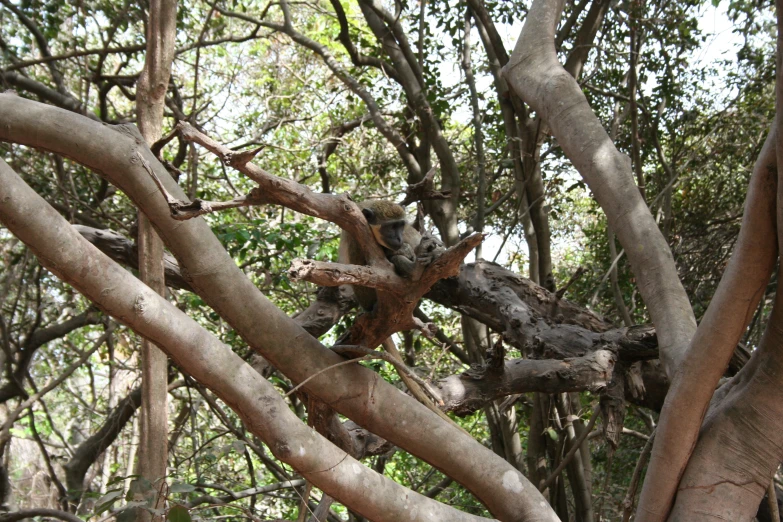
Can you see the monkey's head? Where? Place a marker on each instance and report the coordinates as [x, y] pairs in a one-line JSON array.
[[387, 222]]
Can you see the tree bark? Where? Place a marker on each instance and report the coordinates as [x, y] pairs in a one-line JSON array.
[[535, 74], [150, 100], [217, 279]]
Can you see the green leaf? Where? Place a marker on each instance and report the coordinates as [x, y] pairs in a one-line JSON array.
[[178, 514], [106, 501], [552, 433], [181, 487]]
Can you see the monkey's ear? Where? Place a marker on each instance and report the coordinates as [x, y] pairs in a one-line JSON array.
[[369, 215]]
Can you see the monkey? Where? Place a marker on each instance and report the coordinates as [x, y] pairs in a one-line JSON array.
[[390, 230], [398, 239]]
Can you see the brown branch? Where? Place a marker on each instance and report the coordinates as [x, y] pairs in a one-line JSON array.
[[424, 189], [576, 275], [397, 296], [571, 452], [337, 209], [466, 393], [12, 387], [336, 274], [76, 54], [124, 251], [330, 145], [39, 512], [415, 384], [44, 92], [41, 41]]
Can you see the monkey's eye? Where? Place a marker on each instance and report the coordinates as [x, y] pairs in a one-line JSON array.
[[369, 215]]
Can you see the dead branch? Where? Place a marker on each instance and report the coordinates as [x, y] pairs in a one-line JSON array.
[[397, 296]]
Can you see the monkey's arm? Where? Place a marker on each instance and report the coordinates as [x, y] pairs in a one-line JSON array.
[[407, 259], [404, 260]]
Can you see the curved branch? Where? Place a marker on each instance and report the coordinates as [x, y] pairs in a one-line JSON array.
[[217, 279], [206, 359], [535, 74], [742, 286], [39, 512]]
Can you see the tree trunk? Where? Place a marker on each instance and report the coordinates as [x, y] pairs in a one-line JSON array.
[[150, 100]]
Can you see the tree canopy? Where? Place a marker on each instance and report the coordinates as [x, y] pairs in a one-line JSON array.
[[592, 180]]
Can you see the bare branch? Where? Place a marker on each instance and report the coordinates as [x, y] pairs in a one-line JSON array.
[[407, 157], [337, 209]]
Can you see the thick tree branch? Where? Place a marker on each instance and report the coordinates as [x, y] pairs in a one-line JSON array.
[[46, 93], [125, 252], [742, 286], [201, 355], [217, 279], [464, 394], [535, 74]]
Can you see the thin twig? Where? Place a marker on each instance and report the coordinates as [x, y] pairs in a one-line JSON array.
[[561, 291], [389, 358], [319, 372], [182, 210], [571, 452], [637, 472]]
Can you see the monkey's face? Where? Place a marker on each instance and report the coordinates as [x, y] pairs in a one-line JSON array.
[[387, 233]]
